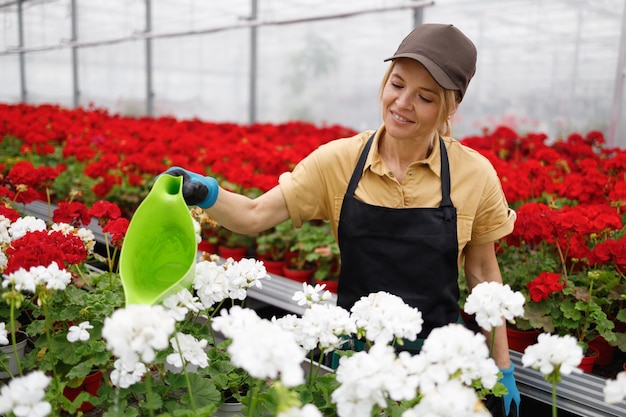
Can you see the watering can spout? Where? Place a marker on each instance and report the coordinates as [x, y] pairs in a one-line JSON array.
[[158, 256]]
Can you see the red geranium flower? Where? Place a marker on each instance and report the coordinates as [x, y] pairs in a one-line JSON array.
[[74, 213], [117, 228], [543, 285]]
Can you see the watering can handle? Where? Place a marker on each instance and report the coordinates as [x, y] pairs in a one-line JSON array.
[[198, 190]]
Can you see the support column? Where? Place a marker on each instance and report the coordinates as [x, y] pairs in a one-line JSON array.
[[75, 83], [149, 91], [22, 58], [253, 62], [618, 94]]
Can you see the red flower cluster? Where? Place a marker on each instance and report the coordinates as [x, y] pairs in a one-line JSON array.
[[543, 285], [24, 183], [41, 248], [132, 151]]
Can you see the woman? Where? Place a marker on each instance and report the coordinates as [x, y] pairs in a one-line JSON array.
[[408, 205]]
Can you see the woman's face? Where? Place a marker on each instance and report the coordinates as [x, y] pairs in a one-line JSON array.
[[410, 101]]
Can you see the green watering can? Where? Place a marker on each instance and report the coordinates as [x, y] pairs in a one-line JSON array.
[[158, 256]]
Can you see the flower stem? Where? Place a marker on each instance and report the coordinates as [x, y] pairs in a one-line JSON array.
[[182, 359], [554, 409], [14, 341], [149, 393], [254, 398], [48, 332]]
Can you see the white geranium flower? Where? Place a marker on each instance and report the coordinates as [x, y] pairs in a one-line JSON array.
[[126, 374], [4, 335], [181, 303], [55, 278], [554, 355], [21, 280], [615, 389], [491, 301], [308, 410], [191, 349], [231, 321], [311, 295], [26, 224], [450, 399], [79, 332], [322, 325], [24, 396], [242, 275], [368, 378], [5, 237], [210, 283], [385, 316], [50, 277], [452, 351], [262, 347], [4, 261], [134, 333]]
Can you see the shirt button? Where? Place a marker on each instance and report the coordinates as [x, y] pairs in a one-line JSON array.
[[410, 173], [391, 174]]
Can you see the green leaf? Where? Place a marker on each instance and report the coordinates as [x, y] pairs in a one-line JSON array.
[[203, 391]]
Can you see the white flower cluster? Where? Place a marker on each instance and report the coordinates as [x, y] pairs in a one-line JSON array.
[[368, 377], [384, 316], [311, 295], [491, 301], [449, 399], [615, 389], [554, 354], [216, 282], [453, 351], [51, 277], [21, 226], [190, 350], [179, 305], [136, 332], [261, 347], [23, 396], [4, 334], [321, 326], [450, 353]]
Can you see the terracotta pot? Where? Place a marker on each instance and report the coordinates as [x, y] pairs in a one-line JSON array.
[[606, 352], [208, 247], [589, 360], [300, 275], [330, 285], [236, 253], [519, 340], [274, 267], [91, 384]]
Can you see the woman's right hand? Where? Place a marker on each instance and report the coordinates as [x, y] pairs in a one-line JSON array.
[[198, 190]]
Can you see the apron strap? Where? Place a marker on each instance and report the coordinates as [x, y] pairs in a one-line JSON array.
[[446, 202]]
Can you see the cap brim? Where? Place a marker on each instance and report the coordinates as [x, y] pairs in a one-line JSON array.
[[437, 73]]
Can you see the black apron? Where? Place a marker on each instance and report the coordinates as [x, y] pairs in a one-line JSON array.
[[408, 252]]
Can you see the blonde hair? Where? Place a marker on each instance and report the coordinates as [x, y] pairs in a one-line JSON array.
[[448, 99]]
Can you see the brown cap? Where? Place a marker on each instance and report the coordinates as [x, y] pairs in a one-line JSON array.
[[448, 55]]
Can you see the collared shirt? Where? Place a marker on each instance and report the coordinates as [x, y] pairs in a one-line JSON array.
[[316, 187]]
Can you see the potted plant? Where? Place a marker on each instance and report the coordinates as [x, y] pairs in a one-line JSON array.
[[308, 239], [273, 245], [232, 245]]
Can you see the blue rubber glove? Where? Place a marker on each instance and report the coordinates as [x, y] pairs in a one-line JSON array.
[[511, 399], [198, 190]]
